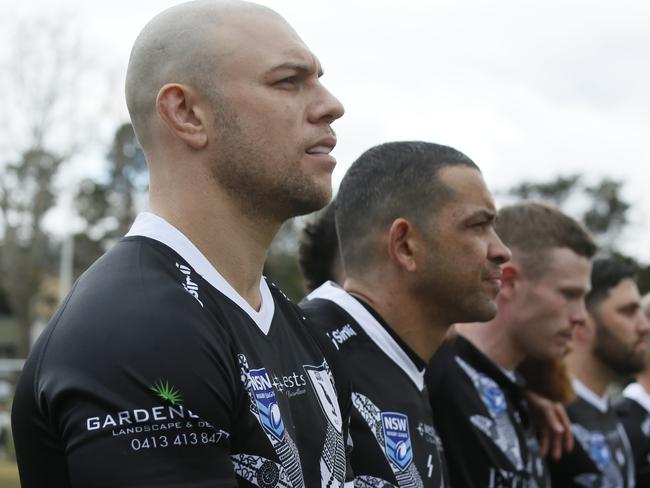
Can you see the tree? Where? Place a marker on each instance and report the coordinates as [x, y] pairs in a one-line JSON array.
[[26, 195], [109, 206], [604, 210], [281, 266], [43, 73]]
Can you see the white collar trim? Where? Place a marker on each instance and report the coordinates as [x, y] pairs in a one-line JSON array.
[[154, 227], [601, 403], [636, 392], [376, 332]]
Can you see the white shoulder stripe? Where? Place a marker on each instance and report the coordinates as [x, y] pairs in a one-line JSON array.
[[600, 403], [376, 332], [636, 392], [154, 227]]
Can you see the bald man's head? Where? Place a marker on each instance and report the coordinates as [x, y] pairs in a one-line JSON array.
[[180, 45]]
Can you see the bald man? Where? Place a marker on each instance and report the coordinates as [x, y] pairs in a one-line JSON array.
[[173, 362]]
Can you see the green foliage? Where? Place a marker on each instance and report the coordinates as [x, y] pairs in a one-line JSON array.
[[26, 195], [608, 212], [281, 266], [555, 191], [605, 214], [109, 206]]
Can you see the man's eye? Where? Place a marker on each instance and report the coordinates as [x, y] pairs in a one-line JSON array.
[[289, 81], [480, 225]]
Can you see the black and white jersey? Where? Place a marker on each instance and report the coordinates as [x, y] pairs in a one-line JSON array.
[[155, 372], [602, 457], [633, 411], [482, 417], [395, 444]]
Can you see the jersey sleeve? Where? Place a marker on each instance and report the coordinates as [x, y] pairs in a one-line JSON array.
[[135, 389]]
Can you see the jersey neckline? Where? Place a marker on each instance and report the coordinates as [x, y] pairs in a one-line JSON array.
[[154, 227], [636, 392], [583, 391], [334, 293]]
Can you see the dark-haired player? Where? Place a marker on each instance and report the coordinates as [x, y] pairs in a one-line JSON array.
[[634, 413], [318, 250], [478, 398], [612, 342], [416, 225]]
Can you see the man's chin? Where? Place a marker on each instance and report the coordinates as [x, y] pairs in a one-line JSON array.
[[310, 202], [483, 312]]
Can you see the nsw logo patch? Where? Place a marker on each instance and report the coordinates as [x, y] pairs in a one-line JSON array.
[[267, 404], [397, 439], [492, 396], [599, 450]]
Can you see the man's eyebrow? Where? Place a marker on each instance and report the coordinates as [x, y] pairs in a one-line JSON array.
[[303, 69], [630, 306], [485, 213]]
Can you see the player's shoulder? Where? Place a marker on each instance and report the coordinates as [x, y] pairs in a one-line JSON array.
[[453, 370], [132, 292], [136, 276], [325, 308]]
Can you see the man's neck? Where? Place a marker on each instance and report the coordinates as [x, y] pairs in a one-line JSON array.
[[417, 328], [590, 371], [494, 341], [644, 380], [231, 240]]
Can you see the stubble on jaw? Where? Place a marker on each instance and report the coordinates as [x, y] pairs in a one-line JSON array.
[[614, 353], [246, 172]]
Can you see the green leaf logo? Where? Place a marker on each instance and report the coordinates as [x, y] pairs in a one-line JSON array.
[[167, 392]]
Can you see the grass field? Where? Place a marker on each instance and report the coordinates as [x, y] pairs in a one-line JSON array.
[[8, 475]]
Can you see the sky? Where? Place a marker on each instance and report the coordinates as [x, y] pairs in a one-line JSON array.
[[529, 90]]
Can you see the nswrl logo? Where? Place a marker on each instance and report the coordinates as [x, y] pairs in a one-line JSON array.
[[397, 439], [599, 450], [267, 404]]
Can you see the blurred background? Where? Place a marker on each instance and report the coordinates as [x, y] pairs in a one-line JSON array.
[[550, 99]]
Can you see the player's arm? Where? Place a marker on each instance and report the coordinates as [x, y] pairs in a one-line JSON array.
[[141, 400], [552, 425]]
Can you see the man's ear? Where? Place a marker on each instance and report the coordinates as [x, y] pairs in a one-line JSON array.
[[181, 114], [510, 280], [402, 245]]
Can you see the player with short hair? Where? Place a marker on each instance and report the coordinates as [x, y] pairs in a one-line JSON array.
[[318, 251], [172, 362], [633, 410], [611, 343], [479, 400], [416, 226]]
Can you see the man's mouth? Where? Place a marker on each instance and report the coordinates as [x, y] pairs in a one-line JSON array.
[[322, 146], [319, 150]]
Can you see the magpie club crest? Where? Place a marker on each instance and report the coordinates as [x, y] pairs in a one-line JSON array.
[[267, 404], [397, 439], [323, 385]]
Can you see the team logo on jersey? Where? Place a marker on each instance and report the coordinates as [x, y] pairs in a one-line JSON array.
[[599, 450], [397, 438], [323, 385], [267, 404], [492, 396]]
